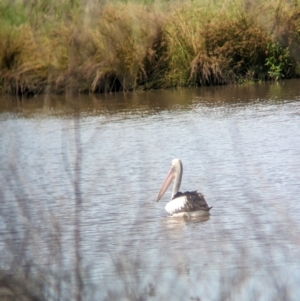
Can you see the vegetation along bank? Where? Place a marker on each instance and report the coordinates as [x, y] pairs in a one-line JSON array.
[[61, 46]]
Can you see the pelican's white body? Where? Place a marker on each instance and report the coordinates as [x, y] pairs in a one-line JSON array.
[[178, 204]]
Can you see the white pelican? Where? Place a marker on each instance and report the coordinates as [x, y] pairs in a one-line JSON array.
[[189, 203]]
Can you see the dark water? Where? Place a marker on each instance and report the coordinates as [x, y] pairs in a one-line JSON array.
[[240, 148]]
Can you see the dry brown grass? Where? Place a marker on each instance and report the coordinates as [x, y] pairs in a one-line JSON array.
[[23, 67], [123, 38], [228, 45]]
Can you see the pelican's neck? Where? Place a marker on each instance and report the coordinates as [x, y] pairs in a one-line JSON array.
[[177, 179]]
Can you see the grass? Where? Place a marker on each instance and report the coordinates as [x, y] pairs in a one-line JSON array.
[[97, 46]]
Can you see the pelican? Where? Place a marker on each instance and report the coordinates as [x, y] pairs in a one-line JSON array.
[[182, 204]]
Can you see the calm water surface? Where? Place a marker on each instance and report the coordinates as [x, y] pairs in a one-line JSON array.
[[240, 148]]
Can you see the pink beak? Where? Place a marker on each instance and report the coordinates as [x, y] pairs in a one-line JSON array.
[[166, 184]]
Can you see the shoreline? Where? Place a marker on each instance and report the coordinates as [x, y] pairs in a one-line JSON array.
[[54, 48]]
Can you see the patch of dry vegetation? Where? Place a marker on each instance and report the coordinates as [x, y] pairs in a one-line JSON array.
[[94, 46]]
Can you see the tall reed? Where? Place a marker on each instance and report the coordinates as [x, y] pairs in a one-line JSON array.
[[101, 46]]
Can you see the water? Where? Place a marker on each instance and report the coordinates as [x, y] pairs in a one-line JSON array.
[[240, 148]]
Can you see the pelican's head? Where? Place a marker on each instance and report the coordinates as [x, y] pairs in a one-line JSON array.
[[174, 173]]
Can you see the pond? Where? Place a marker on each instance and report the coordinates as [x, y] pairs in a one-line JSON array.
[[80, 176]]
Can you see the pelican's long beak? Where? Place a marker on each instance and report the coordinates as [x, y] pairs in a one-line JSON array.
[[166, 184]]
